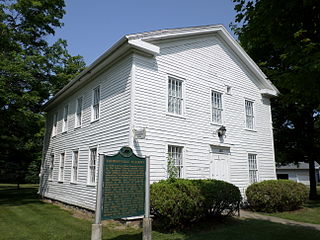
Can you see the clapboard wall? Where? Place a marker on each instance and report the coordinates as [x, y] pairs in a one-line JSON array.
[[204, 63], [107, 134]]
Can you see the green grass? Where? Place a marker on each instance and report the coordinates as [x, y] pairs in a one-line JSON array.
[[310, 213], [24, 216]]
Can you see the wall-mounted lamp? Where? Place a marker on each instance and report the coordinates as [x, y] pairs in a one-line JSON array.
[[222, 131]]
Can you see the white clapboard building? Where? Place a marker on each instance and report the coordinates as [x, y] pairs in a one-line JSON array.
[[194, 92]]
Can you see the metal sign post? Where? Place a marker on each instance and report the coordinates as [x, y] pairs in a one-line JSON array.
[[147, 225], [96, 233]]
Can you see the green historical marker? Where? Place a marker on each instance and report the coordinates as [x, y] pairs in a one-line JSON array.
[[124, 185]]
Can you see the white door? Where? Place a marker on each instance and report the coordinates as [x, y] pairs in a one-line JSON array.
[[219, 166]]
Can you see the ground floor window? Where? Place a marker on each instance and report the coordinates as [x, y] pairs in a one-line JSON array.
[[61, 167], [74, 169], [175, 154], [253, 169], [283, 176], [92, 166]]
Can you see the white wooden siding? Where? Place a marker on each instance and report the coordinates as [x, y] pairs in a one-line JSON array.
[[108, 133], [205, 63]]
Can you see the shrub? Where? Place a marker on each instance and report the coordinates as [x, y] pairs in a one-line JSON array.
[[178, 202], [219, 197], [276, 195], [175, 202]]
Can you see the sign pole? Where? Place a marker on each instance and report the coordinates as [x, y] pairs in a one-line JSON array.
[[96, 233], [147, 229]]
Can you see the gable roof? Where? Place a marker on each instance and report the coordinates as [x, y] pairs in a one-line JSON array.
[[143, 42]]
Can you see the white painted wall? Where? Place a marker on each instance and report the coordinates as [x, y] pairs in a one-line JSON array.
[[204, 63], [108, 133], [298, 175]]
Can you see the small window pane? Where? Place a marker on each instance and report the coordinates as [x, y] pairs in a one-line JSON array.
[[175, 152], [79, 112], [92, 165], [216, 102], [61, 167], [175, 96], [96, 103], [51, 165], [65, 119], [253, 168], [249, 114], [75, 166]]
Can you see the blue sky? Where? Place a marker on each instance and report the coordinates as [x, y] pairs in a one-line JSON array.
[[93, 26]]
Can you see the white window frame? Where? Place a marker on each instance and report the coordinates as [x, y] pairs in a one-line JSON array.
[[62, 162], [182, 97], [75, 166], [253, 168], [181, 166], [94, 176], [55, 124], [65, 118], [93, 113], [246, 115], [212, 91], [77, 119], [51, 166]]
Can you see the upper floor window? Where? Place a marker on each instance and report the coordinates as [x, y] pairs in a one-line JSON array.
[[249, 114], [51, 165], [96, 104], [65, 118], [75, 163], [55, 124], [216, 103], [175, 96], [61, 167], [78, 121], [253, 168], [92, 166], [175, 154]]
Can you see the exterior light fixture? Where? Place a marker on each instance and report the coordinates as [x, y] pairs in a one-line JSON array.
[[222, 131]]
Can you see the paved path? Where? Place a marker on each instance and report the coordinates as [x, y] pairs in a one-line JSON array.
[[248, 214]]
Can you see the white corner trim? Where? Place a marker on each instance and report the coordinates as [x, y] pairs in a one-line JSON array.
[[144, 46]]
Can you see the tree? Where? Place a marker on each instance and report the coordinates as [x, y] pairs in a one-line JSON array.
[[283, 37], [31, 71]]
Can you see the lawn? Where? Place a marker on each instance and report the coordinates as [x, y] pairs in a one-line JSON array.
[[24, 216], [310, 213]]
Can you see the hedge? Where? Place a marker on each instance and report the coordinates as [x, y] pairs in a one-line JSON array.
[[276, 195], [178, 202]]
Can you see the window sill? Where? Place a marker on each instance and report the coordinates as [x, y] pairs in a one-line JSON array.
[[176, 116], [250, 130], [216, 124], [64, 132], [73, 183], [93, 121], [60, 181], [91, 185], [77, 127]]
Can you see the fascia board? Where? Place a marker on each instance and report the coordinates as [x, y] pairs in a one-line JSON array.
[[144, 46]]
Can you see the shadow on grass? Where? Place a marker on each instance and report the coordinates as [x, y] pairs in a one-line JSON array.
[[137, 236], [11, 196]]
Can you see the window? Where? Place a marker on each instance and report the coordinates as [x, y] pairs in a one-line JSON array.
[[175, 96], [249, 114], [51, 165], [175, 153], [74, 169], [216, 103], [65, 118], [61, 167], [253, 169], [96, 104], [78, 117], [92, 166], [55, 124]]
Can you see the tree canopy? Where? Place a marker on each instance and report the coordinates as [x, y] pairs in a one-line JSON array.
[[31, 71], [283, 37]]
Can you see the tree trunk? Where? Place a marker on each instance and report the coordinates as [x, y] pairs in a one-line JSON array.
[[312, 178]]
